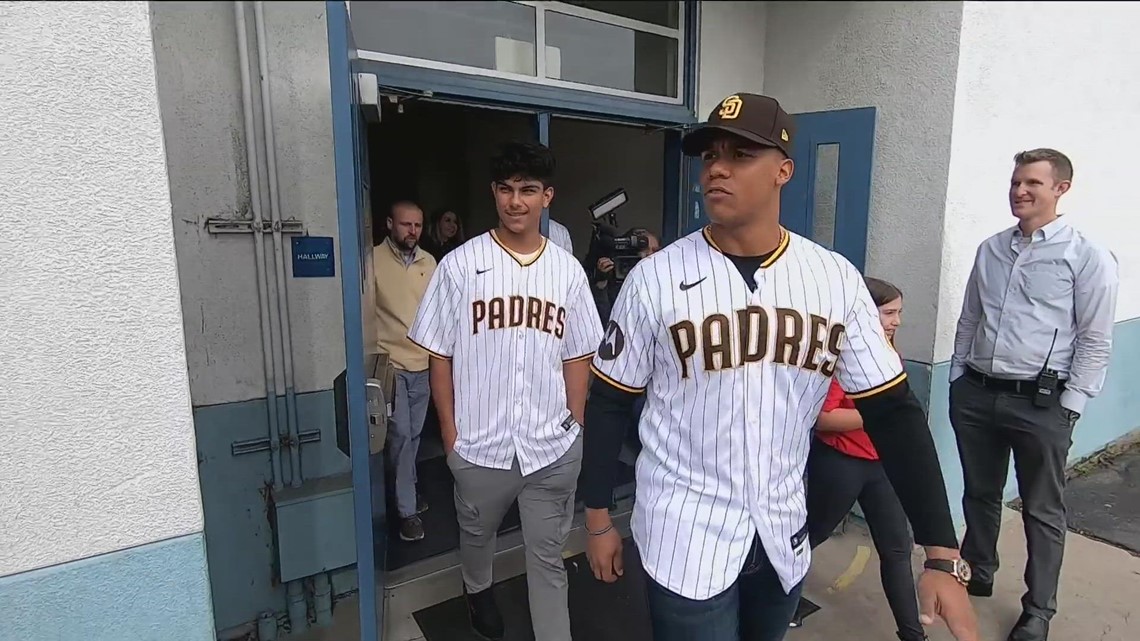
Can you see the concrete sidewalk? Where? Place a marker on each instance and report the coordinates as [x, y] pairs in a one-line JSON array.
[[1100, 591]]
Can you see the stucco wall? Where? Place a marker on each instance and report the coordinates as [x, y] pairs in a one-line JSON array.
[[97, 448], [1043, 74], [900, 57], [731, 51], [200, 92]]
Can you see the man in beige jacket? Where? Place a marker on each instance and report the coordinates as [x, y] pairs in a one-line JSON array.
[[402, 272]]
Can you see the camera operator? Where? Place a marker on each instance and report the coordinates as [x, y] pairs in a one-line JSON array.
[[606, 284]]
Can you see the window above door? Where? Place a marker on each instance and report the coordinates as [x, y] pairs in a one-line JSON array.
[[627, 49]]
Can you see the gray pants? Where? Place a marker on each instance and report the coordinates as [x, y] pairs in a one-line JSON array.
[[410, 407], [989, 425], [546, 508]]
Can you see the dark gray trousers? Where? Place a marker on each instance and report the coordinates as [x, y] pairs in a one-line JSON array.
[[988, 426]]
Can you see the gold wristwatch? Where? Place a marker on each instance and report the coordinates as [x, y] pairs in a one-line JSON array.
[[956, 568]]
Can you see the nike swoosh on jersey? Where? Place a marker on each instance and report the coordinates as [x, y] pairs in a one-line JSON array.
[[483, 271], [687, 286]]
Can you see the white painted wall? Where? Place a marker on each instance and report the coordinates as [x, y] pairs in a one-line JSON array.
[[200, 93], [1043, 74], [97, 447], [899, 57], [731, 51]]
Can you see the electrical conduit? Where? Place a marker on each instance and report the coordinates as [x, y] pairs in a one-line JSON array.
[[295, 478], [259, 247]]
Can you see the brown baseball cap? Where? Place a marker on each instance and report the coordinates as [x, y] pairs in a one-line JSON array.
[[753, 117]]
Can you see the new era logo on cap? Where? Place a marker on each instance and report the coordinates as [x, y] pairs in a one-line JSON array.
[[753, 117]]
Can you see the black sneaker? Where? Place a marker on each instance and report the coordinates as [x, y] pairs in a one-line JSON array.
[[412, 529], [421, 504], [485, 617]]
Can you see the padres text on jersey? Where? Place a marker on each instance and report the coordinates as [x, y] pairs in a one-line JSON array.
[[508, 323], [735, 379]]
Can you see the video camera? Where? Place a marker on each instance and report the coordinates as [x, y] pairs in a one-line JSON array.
[[606, 242]]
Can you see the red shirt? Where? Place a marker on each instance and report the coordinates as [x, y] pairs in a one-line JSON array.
[[854, 443]]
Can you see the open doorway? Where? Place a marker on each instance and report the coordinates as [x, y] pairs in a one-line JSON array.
[[436, 154], [595, 158]]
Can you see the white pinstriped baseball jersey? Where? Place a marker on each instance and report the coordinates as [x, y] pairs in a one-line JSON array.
[[735, 380], [560, 236], [508, 323]]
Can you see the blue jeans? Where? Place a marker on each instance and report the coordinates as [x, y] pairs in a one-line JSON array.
[[755, 608], [410, 409]]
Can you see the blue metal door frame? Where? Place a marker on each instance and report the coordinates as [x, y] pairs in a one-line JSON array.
[[350, 167], [347, 159]]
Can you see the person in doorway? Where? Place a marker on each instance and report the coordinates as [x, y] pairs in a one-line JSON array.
[[843, 467], [606, 288], [720, 516], [559, 235], [1032, 347], [444, 234], [403, 271], [510, 324]]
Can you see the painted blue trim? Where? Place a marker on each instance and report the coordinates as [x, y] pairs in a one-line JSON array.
[[1111, 415], [854, 131], [510, 93], [346, 157], [673, 198], [693, 214], [692, 54], [542, 132], [155, 591], [684, 206]]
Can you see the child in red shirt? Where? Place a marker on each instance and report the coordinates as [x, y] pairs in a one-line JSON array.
[[844, 467]]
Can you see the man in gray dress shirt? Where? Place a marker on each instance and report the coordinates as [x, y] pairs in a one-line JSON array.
[[1032, 347]]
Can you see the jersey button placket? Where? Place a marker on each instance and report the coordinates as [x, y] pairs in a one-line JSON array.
[[517, 378], [754, 420]]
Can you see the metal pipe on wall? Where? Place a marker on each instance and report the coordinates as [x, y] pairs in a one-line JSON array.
[[295, 478], [322, 599], [259, 246]]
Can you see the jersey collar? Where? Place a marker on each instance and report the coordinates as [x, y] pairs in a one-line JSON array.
[[518, 258], [781, 249]]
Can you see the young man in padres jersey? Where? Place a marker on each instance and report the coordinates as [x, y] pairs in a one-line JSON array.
[[511, 325], [734, 333]]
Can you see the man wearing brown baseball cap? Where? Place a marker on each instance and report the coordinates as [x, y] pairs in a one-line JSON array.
[[719, 518]]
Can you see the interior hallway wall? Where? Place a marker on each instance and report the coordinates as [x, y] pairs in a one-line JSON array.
[[1091, 116], [100, 512], [596, 158]]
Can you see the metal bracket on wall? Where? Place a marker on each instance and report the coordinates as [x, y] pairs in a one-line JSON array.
[[255, 445], [231, 226]]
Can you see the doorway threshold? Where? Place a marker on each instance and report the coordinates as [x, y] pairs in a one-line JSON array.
[[431, 581]]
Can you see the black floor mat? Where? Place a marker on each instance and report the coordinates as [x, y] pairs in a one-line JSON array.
[[1104, 504], [588, 597], [441, 533]]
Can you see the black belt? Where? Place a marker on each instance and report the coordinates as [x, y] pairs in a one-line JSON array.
[[1023, 387]]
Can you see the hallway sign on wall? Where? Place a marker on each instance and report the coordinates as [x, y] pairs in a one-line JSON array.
[[313, 257]]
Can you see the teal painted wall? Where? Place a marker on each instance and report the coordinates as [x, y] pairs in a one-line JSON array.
[[235, 498], [151, 592], [1113, 414]]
